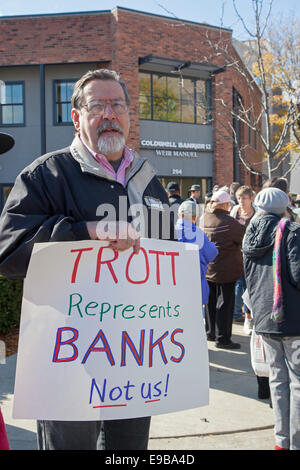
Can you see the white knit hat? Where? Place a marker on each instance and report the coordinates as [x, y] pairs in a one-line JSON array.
[[221, 197], [188, 209], [272, 200]]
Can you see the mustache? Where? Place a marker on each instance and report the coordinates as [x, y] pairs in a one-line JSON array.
[[109, 125]]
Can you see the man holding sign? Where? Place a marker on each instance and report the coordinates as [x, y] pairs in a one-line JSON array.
[[86, 192]]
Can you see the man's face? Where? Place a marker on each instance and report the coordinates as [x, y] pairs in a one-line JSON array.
[[196, 194], [106, 132], [244, 201]]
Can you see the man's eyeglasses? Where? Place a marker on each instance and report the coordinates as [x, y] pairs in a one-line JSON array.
[[96, 108]]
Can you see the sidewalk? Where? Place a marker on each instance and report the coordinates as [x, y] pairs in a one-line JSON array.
[[234, 420]]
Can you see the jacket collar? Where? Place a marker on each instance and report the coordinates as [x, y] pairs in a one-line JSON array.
[[138, 174], [88, 163]]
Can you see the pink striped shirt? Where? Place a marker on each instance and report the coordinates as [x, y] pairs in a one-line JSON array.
[[120, 175]]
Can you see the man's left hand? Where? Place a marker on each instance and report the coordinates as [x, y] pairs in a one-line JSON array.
[[121, 235]]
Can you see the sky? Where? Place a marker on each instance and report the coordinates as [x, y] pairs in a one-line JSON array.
[[214, 12]]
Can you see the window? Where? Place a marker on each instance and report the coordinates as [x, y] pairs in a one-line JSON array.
[[252, 180], [238, 108], [12, 104], [188, 102], [249, 135], [145, 96], [173, 103], [169, 98], [63, 90], [159, 98]]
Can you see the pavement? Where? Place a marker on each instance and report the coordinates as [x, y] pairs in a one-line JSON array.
[[235, 418]]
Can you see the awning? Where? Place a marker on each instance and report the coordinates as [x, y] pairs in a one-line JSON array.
[[186, 68]]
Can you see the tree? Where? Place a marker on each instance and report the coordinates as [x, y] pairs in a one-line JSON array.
[[273, 56], [272, 59], [284, 39], [166, 103]]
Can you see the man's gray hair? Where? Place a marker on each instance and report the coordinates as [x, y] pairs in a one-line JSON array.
[[99, 74]]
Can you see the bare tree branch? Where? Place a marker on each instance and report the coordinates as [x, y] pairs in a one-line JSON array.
[[261, 103]]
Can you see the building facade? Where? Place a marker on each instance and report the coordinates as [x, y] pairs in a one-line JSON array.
[[182, 92]]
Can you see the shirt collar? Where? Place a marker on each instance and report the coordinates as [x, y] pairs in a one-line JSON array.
[[102, 159]]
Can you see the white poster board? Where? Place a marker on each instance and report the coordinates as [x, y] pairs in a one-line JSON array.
[[109, 335]]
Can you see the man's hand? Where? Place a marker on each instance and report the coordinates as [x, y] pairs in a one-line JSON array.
[[121, 235]]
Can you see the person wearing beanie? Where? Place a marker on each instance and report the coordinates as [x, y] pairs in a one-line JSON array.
[[271, 253], [272, 200], [173, 192], [243, 213], [282, 183], [222, 273], [188, 232]]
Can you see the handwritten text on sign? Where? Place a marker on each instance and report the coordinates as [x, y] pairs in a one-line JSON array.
[[107, 334]]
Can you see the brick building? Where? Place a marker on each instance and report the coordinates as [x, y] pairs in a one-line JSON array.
[[177, 79]]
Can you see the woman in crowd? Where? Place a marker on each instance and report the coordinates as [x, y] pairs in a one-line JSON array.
[[243, 213], [188, 232], [271, 250], [227, 234]]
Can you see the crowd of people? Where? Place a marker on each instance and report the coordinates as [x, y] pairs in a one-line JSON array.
[[253, 276]]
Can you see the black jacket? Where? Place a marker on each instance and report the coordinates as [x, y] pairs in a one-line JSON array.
[[257, 253], [175, 199], [54, 196]]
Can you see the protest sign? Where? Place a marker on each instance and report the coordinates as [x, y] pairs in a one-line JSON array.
[[111, 335]]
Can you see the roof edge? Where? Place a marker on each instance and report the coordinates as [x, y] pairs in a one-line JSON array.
[[171, 18], [70, 13], [100, 12]]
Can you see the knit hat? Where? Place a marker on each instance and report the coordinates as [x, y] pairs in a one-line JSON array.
[[272, 200], [220, 197], [172, 187], [188, 209]]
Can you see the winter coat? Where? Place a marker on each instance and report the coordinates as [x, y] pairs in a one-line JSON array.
[[257, 253], [235, 214], [189, 233], [175, 199], [227, 234], [55, 195]]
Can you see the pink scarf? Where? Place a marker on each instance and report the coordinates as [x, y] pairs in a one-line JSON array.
[[277, 311]]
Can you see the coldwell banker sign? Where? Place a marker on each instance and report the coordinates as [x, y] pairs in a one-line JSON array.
[[175, 149], [107, 334]]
